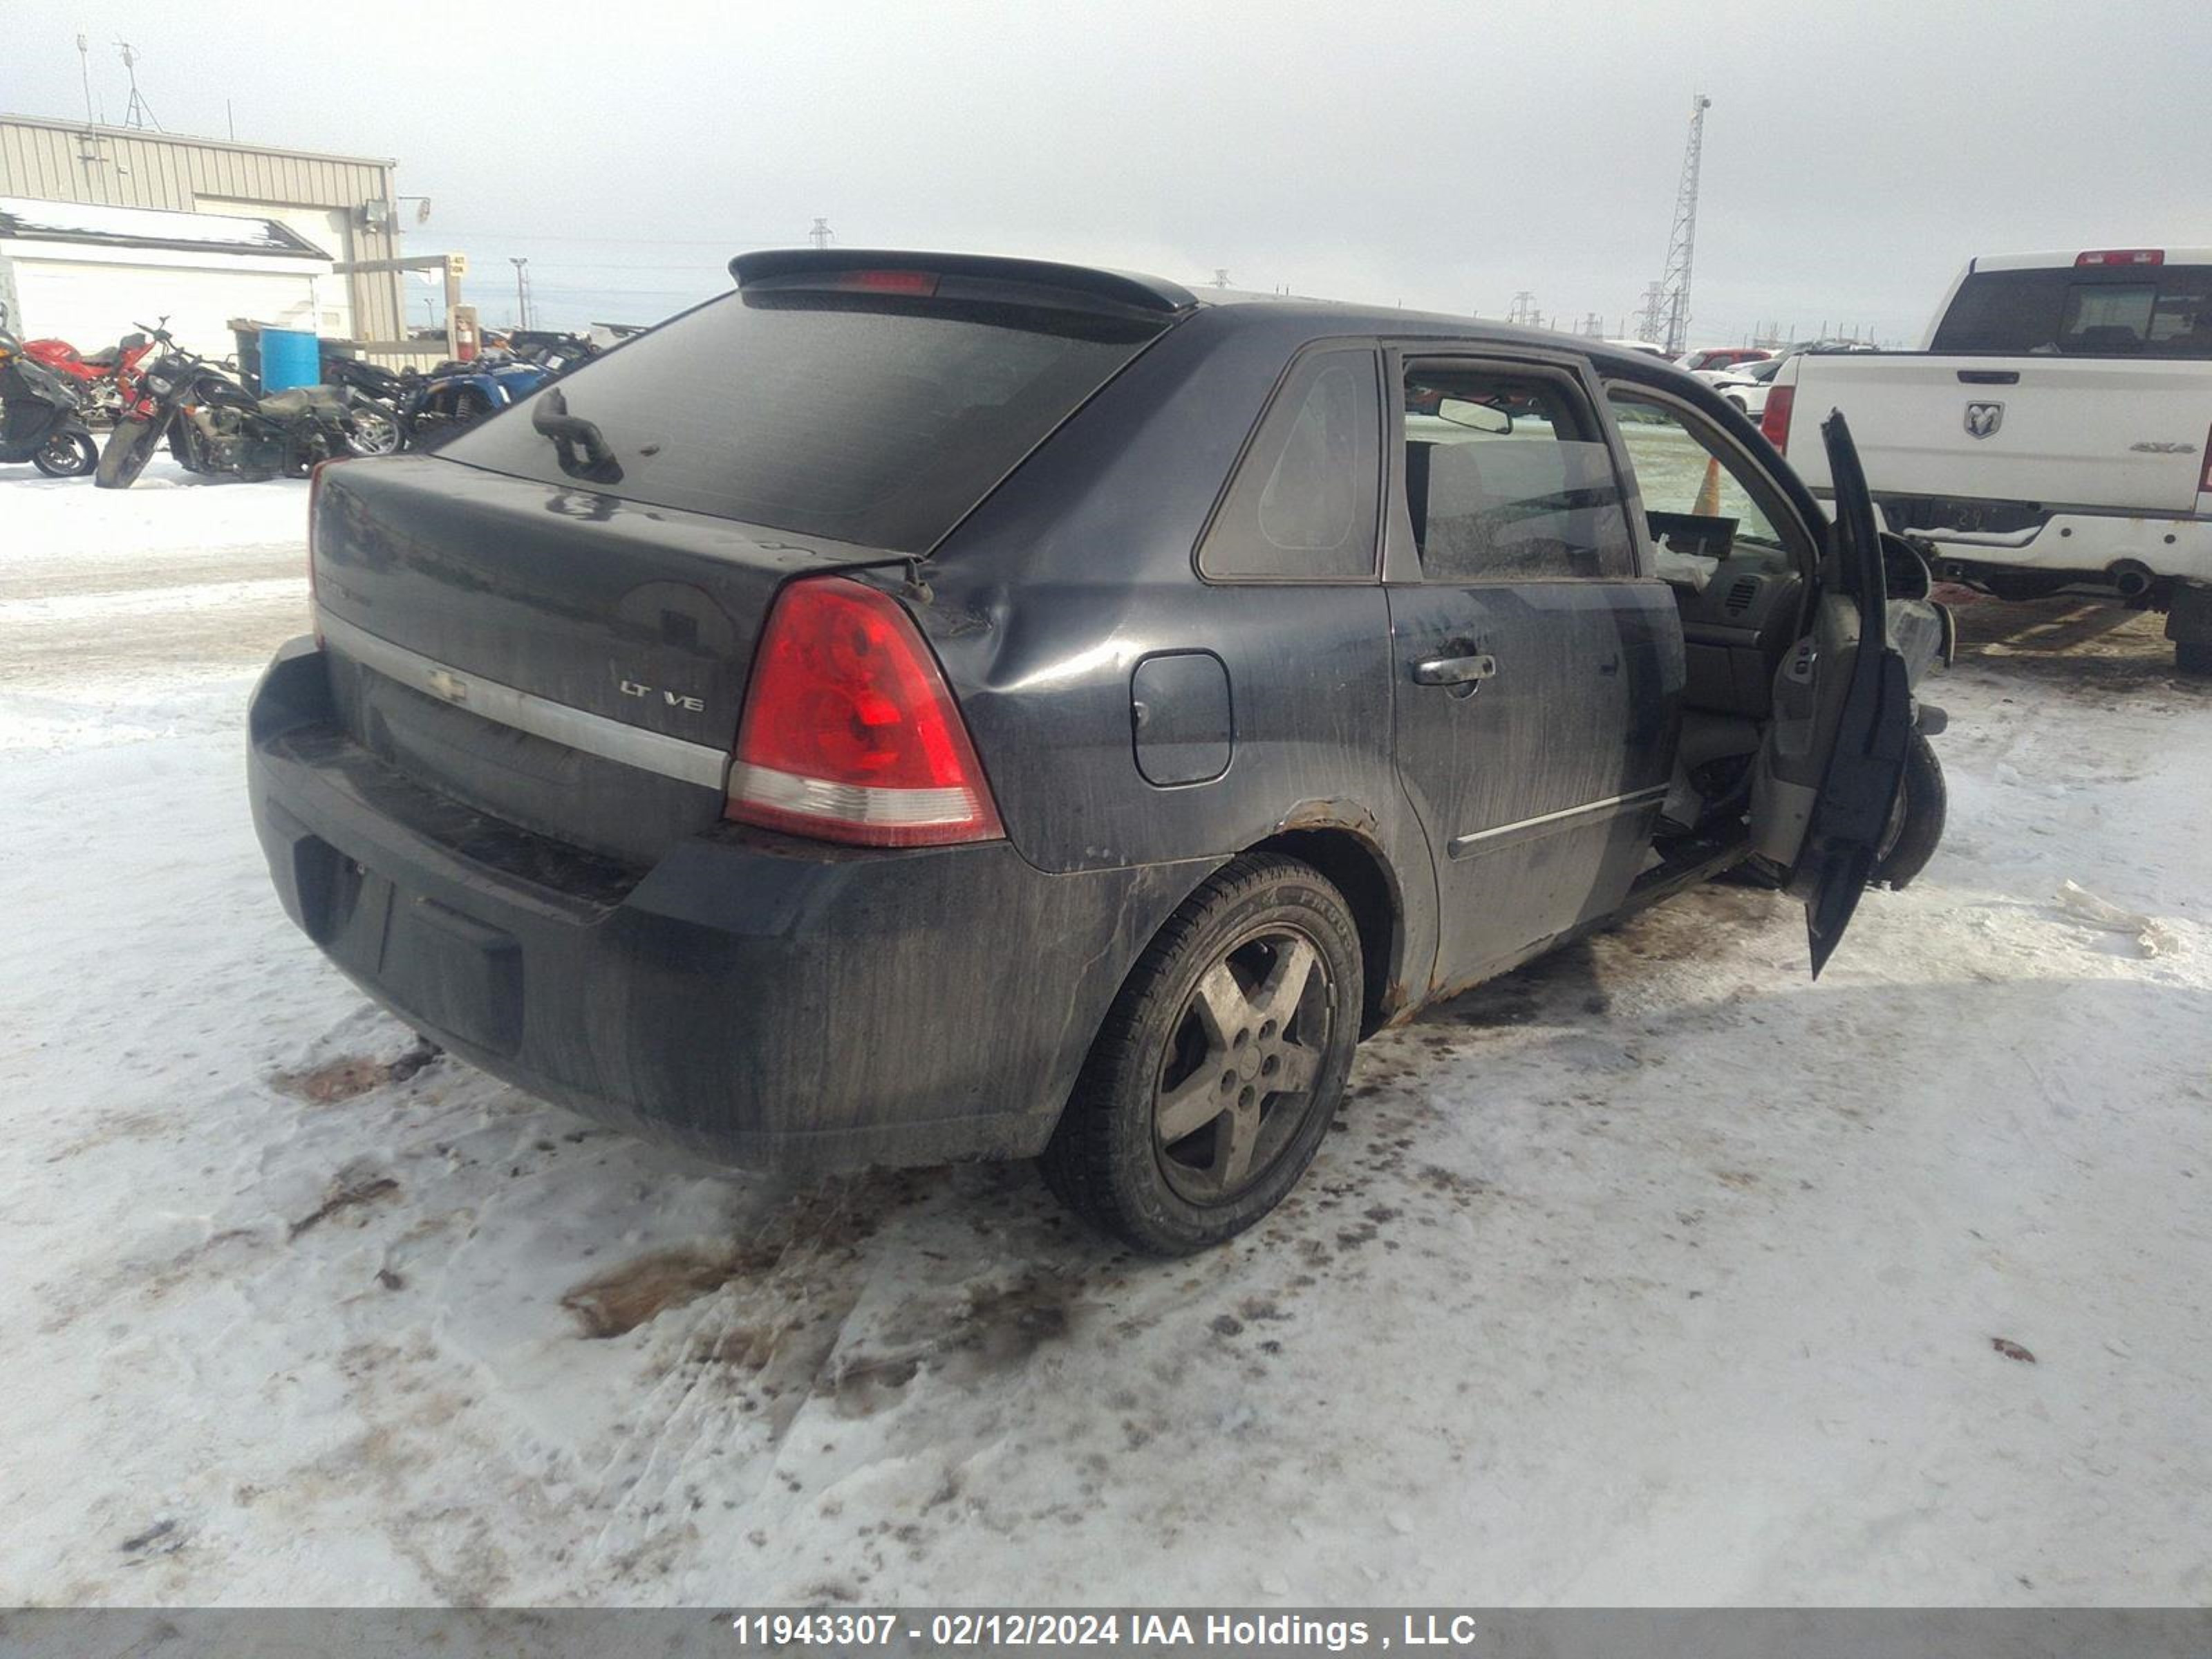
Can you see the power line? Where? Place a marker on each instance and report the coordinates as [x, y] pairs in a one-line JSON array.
[[631, 242]]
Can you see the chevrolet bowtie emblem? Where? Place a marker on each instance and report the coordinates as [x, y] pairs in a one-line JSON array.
[[449, 685]]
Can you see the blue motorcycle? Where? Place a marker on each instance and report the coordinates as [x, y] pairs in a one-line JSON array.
[[414, 410]]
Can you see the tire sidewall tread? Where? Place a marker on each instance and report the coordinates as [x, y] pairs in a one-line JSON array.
[[1102, 1160]]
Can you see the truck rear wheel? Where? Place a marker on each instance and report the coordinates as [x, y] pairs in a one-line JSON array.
[[2193, 656], [1221, 1064]]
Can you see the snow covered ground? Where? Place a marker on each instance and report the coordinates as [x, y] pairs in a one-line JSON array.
[[1653, 1273]]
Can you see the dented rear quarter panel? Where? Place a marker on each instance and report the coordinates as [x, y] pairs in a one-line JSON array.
[[1081, 565]]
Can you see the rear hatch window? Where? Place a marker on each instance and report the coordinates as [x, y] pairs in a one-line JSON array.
[[877, 419], [2144, 312]]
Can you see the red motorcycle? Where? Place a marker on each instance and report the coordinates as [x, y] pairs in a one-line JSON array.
[[106, 380]]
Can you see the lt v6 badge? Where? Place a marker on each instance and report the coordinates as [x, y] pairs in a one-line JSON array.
[[674, 699]]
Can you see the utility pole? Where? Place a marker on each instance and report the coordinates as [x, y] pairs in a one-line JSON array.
[[1672, 312], [820, 235], [521, 291], [1524, 309]]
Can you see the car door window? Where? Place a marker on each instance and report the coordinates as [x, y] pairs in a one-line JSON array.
[[1702, 503], [1508, 478], [1302, 506]]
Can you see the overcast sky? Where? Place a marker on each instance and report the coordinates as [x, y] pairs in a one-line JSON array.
[[1445, 155]]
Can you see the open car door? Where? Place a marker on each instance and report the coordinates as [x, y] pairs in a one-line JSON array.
[[1833, 755]]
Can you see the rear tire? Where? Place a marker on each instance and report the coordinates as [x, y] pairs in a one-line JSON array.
[[1172, 1140], [375, 430], [1916, 827], [2193, 656], [67, 455], [129, 447]]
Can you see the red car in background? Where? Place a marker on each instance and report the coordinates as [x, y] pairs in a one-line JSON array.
[[1722, 358]]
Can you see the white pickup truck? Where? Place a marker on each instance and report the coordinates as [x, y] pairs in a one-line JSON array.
[[2054, 431]]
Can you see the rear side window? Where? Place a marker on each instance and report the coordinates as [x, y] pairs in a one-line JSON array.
[[1301, 507], [1508, 478], [2159, 311], [877, 419]]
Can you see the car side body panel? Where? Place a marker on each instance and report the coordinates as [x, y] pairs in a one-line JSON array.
[[1080, 568]]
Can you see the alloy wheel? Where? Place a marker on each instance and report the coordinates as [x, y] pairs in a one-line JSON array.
[[1238, 1077]]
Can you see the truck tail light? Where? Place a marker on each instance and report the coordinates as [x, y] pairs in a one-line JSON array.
[[850, 732], [1775, 423], [2122, 256]]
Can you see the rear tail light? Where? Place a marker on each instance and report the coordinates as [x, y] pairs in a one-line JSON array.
[[2122, 256], [887, 281], [850, 733], [1775, 423]]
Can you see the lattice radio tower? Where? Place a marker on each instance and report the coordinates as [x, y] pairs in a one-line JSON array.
[[1670, 310]]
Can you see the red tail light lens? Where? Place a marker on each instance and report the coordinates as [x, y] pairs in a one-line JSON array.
[[850, 732], [1775, 423], [887, 281]]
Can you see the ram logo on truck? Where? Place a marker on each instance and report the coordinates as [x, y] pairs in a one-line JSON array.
[[1984, 419]]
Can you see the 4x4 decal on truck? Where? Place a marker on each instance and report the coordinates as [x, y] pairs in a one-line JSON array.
[[1984, 419]]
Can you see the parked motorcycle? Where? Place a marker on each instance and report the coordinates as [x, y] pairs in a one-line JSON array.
[[382, 400], [39, 417], [106, 380], [214, 425]]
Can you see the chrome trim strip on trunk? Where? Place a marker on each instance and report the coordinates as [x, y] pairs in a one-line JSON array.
[[1505, 835], [526, 711]]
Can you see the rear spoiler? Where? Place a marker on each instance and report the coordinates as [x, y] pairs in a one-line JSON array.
[[962, 277]]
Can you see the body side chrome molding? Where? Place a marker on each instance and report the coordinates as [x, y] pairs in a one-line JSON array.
[[526, 711], [1505, 834]]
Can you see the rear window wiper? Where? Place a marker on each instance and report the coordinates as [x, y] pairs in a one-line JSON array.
[[578, 443]]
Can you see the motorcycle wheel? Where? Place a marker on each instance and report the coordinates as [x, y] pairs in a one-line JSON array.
[[67, 455], [129, 447], [376, 430]]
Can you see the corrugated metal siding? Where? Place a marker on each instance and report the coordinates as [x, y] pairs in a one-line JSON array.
[[153, 170]]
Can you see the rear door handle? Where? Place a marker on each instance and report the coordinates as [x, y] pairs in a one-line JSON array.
[[1453, 670]]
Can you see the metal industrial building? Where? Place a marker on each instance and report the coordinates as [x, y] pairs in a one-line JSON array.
[[342, 204]]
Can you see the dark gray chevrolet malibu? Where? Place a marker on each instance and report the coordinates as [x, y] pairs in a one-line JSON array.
[[920, 707]]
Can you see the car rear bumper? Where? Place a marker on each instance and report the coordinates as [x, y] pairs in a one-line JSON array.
[[2179, 545], [764, 1001]]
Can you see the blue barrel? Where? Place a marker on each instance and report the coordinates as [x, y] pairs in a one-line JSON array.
[[289, 357]]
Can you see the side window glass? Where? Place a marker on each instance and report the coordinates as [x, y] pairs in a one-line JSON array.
[[1695, 498], [1508, 479], [1302, 505]]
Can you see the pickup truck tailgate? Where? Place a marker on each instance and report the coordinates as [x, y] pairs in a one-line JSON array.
[[2077, 432]]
